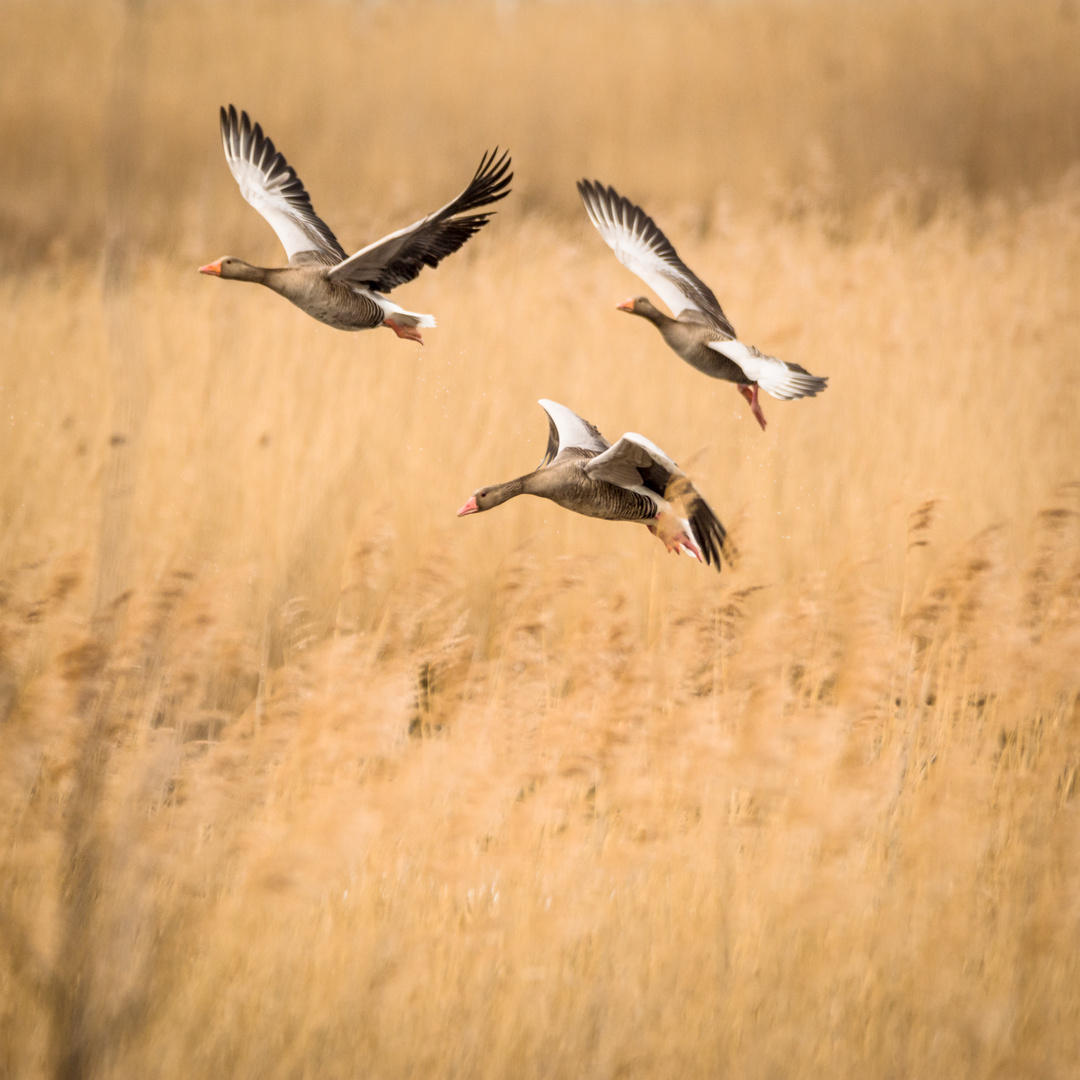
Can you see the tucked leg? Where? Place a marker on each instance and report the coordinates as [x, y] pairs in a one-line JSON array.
[[675, 538], [409, 332], [750, 392]]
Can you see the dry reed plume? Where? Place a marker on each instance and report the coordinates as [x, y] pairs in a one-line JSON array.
[[302, 776]]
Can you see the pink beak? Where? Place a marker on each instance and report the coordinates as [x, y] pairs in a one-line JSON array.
[[626, 305], [211, 268], [469, 508]]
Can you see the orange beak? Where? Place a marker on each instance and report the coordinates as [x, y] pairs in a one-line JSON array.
[[211, 268], [469, 508], [626, 305]]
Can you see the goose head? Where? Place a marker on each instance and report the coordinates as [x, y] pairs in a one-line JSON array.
[[486, 497], [229, 267], [479, 501], [642, 306]]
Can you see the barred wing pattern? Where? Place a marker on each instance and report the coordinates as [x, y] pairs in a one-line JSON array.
[[643, 249], [401, 256], [270, 184]]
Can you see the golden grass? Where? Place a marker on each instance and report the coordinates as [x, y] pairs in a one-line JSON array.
[[384, 108], [302, 776]]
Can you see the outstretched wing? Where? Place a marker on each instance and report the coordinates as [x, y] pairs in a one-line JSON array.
[[637, 463], [399, 257], [569, 434], [641, 247], [271, 185]]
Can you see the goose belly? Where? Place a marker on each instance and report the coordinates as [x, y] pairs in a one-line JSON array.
[[688, 343], [714, 364], [607, 501], [338, 307]]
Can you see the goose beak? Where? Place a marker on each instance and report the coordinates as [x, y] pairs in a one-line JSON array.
[[211, 268], [469, 508], [626, 305]]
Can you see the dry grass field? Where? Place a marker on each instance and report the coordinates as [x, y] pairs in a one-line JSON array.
[[302, 776]]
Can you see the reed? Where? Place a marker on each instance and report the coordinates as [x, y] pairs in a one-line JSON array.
[[300, 775], [385, 108]]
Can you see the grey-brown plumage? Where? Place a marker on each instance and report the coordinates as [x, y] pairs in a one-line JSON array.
[[634, 480], [700, 332], [345, 292]]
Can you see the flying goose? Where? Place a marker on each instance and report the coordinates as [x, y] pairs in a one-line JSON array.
[[634, 480], [344, 292], [700, 332]]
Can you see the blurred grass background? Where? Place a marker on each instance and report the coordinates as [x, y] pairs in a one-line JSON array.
[[303, 776], [384, 106]]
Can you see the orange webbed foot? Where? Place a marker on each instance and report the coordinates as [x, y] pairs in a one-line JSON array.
[[409, 332]]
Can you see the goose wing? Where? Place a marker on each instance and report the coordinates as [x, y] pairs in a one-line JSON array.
[[271, 185], [637, 463], [401, 256], [642, 248], [569, 434]]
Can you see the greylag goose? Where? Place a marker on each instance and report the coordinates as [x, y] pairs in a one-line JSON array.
[[634, 480], [344, 291], [700, 332]]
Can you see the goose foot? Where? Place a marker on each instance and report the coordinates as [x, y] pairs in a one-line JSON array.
[[750, 392], [674, 536], [409, 332]]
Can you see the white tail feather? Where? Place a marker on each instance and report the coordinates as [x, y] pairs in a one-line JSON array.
[[400, 315], [776, 377]]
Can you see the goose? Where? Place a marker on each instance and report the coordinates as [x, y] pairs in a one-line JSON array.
[[345, 292], [634, 480], [700, 331]]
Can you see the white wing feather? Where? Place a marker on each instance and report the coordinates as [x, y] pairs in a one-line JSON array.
[[639, 258], [573, 431], [619, 465], [270, 184], [272, 206], [780, 379], [641, 246]]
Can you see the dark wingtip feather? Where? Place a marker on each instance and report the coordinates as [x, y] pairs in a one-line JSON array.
[[489, 184], [228, 125], [445, 232], [710, 533]]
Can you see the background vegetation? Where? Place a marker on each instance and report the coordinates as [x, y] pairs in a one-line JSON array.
[[300, 775]]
